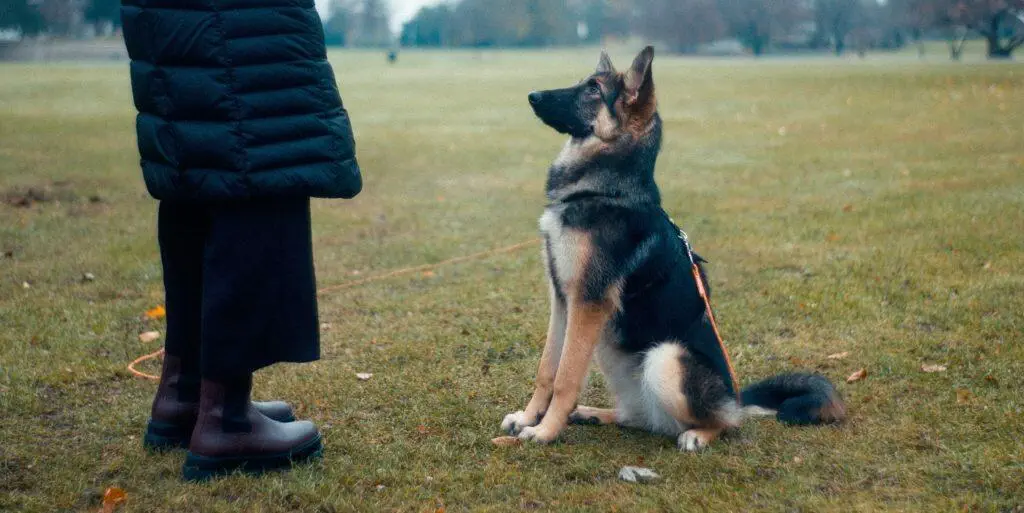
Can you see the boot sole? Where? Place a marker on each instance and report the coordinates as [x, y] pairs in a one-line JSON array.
[[162, 437], [202, 468]]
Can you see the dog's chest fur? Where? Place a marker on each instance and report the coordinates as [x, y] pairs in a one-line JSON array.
[[562, 250]]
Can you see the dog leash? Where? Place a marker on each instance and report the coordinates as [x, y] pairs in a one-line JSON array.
[[702, 292], [355, 283]]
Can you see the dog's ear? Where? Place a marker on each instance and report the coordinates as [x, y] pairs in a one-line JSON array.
[[639, 81], [605, 64]]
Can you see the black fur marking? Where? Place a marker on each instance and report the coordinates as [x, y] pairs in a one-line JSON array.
[[555, 282], [569, 111], [798, 398], [584, 421], [704, 388]]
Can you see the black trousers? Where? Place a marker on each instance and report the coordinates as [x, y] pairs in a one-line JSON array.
[[239, 282]]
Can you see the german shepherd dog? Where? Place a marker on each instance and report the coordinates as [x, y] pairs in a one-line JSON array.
[[622, 285]]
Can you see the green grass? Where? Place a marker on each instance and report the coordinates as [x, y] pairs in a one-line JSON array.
[[873, 207]]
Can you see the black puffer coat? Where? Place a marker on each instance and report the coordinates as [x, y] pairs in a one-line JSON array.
[[236, 100]]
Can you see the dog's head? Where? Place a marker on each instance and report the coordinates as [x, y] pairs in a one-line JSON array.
[[607, 104]]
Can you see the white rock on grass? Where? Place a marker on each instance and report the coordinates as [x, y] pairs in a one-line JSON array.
[[638, 475]]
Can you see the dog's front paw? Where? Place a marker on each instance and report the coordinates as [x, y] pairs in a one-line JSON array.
[[514, 423], [692, 441], [537, 434]]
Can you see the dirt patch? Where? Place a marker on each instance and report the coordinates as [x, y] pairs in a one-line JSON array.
[[62, 192], [14, 473]]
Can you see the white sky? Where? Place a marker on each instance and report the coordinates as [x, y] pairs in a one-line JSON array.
[[401, 10]]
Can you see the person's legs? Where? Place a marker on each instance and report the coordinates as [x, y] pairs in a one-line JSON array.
[[259, 308], [182, 232], [259, 292]]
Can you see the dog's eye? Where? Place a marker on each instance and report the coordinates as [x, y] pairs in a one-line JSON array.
[[593, 90]]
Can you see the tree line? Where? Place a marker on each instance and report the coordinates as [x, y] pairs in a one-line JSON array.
[[761, 26]]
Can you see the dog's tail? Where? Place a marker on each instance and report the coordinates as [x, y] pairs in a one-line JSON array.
[[795, 399]]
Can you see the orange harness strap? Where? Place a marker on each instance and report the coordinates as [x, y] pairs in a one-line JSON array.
[[702, 291], [714, 325]]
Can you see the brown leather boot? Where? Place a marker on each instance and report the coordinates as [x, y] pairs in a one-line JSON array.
[[231, 434], [176, 407]]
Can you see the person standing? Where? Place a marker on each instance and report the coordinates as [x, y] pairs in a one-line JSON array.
[[239, 124]]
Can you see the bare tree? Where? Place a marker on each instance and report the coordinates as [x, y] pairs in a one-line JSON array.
[[916, 16], [835, 20], [756, 23], [22, 15], [339, 23], [681, 24], [373, 24], [1000, 22]]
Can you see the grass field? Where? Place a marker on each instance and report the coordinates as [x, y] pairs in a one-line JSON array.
[[872, 207]]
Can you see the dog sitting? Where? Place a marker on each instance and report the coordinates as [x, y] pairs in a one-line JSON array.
[[622, 287]]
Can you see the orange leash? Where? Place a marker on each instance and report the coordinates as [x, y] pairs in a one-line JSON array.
[[363, 281], [484, 254], [714, 325], [150, 356]]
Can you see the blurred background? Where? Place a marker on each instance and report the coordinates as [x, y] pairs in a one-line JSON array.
[[69, 29], [859, 193]]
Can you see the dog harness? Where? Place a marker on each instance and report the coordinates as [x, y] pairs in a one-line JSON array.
[[702, 291]]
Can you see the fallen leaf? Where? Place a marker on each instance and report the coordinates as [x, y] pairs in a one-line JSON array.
[[838, 356], [963, 396], [422, 429], [428, 274], [325, 326], [847, 208], [857, 376], [364, 376], [797, 459], [26, 285], [112, 498], [987, 266], [149, 336], [933, 367], [831, 237], [506, 441], [156, 313], [88, 277]]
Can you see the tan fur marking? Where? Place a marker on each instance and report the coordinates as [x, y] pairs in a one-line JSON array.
[[606, 127], [833, 411], [575, 153], [641, 115], [614, 295], [581, 256], [586, 413], [548, 366], [585, 323], [703, 437]]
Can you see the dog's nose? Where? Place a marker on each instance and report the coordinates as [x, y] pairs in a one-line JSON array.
[[535, 97]]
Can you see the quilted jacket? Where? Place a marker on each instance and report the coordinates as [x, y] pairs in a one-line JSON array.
[[236, 100]]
